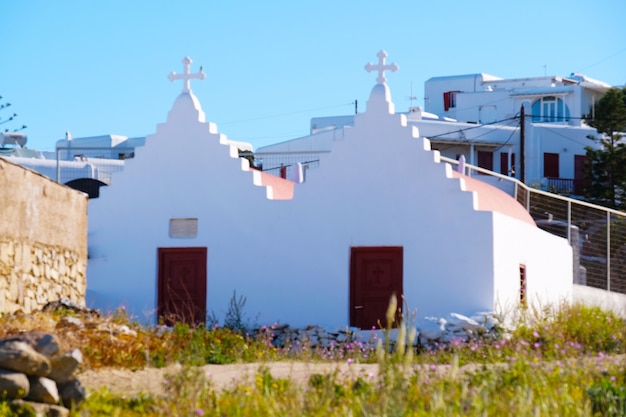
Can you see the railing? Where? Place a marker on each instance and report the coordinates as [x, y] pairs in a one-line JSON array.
[[565, 185], [274, 161], [73, 163], [597, 234]]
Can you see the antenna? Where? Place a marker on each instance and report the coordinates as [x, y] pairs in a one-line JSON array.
[[411, 97], [3, 107]]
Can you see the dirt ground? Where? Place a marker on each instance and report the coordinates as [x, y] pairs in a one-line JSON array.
[[150, 380]]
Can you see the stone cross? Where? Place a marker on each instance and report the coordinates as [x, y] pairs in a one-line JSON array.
[[186, 75], [381, 67]]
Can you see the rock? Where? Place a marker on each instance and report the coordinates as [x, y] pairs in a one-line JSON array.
[[13, 384], [70, 322], [72, 393], [41, 410], [21, 357], [465, 322], [64, 366], [43, 390], [45, 343], [67, 304]]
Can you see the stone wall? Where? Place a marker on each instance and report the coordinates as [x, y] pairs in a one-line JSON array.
[[43, 240]]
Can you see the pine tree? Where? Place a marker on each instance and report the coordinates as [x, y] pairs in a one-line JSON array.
[[606, 173]]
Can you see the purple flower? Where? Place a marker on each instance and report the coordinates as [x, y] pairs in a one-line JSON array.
[[199, 412]]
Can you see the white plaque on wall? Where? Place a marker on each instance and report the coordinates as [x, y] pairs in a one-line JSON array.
[[183, 228]]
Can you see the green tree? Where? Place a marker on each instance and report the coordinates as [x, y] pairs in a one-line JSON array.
[[606, 173]]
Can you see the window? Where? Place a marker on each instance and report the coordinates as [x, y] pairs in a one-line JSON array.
[[551, 165], [550, 109], [504, 164], [485, 160], [522, 285], [449, 99]]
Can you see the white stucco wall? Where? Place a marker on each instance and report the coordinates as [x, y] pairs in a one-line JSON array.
[[544, 255], [380, 186]]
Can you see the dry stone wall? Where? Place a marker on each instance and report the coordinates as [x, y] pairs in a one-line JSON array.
[[43, 240]]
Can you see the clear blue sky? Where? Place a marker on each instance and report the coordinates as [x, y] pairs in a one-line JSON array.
[[100, 67]]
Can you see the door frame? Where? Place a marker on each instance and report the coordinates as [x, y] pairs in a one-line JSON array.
[[353, 301], [162, 283]]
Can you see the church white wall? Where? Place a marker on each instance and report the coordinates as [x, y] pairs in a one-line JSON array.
[[290, 258], [174, 176], [365, 198], [543, 255]]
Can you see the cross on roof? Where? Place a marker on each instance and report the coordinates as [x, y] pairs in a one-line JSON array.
[[186, 75], [381, 67]]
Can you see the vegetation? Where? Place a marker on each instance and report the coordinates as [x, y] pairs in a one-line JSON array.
[[606, 176], [565, 361]]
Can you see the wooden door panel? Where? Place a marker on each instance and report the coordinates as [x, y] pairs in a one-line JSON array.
[[375, 274], [182, 285]]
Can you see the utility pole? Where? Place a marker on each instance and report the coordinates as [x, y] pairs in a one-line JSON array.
[[522, 144]]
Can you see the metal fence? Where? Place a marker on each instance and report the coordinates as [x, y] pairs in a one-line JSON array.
[[597, 234], [274, 161], [74, 163]]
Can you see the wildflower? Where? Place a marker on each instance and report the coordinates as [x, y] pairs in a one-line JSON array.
[[199, 412], [535, 334], [537, 344]]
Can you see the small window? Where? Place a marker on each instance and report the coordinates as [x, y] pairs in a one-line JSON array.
[[449, 99], [183, 228], [522, 285]]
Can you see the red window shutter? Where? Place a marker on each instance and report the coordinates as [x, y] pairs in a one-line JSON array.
[[485, 160], [551, 165], [446, 100], [504, 164]]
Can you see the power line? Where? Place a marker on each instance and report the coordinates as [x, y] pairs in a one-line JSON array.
[[286, 114], [602, 60], [473, 127]]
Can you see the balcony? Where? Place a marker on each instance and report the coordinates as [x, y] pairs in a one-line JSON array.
[[565, 185]]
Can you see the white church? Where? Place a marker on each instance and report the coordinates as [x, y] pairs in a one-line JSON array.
[[183, 227]]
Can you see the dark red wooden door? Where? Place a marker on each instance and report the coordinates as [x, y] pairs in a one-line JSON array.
[[182, 285], [485, 160], [375, 274], [551, 165], [581, 164]]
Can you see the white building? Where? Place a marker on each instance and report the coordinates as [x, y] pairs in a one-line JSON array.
[[185, 226], [479, 116], [85, 164]]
